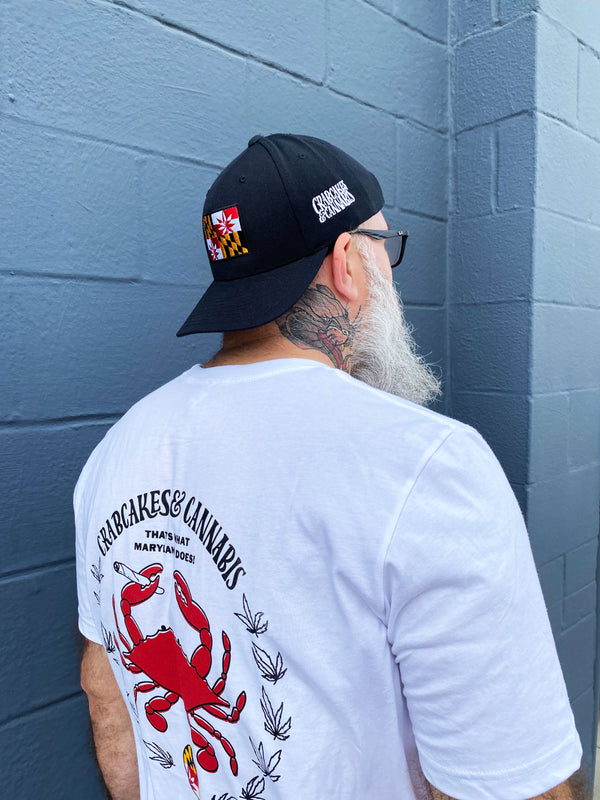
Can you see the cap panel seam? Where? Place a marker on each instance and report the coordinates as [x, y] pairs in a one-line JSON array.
[[263, 142]]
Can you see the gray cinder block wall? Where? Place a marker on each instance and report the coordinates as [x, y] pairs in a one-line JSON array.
[[524, 288], [115, 116]]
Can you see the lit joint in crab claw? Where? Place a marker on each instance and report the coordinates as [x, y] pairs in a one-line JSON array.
[[160, 658]]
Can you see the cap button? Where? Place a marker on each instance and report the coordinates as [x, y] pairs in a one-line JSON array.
[[254, 140]]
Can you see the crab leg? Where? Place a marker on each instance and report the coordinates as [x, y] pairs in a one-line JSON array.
[[220, 682], [227, 746], [144, 686], [156, 705], [206, 752], [234, 715]]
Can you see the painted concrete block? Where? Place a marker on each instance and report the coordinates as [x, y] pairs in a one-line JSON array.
[[58, 763], [509, 9], [584, 428], [580, 565], [577, 656], [421, 277], [516, 162], [422, 170], [364, 132], [555, 617], [170, 212], [579, 605], [549, 436], [294, 37], [495, 74], [121, 77], [585, 719], [491, 258], [557, 68], [469, 17], [520, 492], [503, 421], [428, 16], [93, 347], [38, 613], [429, 334], [384, 5], [67, 206], [36, 525], [568, 171], [490, 347], [582, 18], [563, 513], [566, 260], [475, 166], [551, 577], [390, 80], [566, 348], [587, 101]]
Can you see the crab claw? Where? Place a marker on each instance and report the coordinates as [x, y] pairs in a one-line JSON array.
[[142, 584], [190, 610]]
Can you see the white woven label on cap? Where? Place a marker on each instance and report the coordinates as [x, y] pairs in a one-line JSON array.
[[332, 201]]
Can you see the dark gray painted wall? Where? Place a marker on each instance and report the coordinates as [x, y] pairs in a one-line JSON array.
[[524, 288]]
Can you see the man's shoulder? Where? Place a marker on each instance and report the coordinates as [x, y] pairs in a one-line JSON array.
[[390, 429], [144, 412], [389, 409], [163, 396]]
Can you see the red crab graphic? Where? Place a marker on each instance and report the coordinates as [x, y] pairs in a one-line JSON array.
[[164, 663]]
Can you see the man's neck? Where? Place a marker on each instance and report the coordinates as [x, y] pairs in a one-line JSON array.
[[260, 344]]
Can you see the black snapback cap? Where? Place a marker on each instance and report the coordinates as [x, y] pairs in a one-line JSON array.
[[269, 220]]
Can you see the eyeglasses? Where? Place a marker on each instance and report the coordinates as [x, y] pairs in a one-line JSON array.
[[395, 242]]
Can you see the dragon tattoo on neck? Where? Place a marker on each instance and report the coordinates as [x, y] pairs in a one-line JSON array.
[[319, 321]]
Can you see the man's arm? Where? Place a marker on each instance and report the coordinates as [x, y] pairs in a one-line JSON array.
[[111, 725], [575, 788]]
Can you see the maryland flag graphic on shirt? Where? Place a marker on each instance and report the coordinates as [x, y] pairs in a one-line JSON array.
[[223, 234]]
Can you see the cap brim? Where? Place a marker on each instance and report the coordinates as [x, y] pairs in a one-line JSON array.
[[244, 303]]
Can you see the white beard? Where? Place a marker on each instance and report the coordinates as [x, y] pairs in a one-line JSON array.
[[384, 354]]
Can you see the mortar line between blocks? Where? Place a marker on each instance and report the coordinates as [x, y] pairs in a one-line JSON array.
[[109, 279], [497, 26], [496, 12], [403, 22], [243, 54], [586, 222], [568, 125], [563, 27], [57, 423], [495, 159], [87, 137], [16, 719], [579, 52], [26, 572]]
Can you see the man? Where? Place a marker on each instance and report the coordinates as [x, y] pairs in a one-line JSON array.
[[294, 584]]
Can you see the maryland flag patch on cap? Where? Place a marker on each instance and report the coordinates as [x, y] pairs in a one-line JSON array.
[[223, 234]]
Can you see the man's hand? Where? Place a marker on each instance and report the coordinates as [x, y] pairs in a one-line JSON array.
[[575, 788], [111, 725]]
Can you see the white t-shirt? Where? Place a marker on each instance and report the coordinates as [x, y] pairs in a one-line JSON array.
[[367, 580]]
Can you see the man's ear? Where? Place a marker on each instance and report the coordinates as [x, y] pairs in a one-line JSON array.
[[344, 268]]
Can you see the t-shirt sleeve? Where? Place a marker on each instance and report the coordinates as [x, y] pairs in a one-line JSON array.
[[470, 634], [85, 575]]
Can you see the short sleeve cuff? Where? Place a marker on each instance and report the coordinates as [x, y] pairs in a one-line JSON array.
[[529, 780], [89, 631]]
